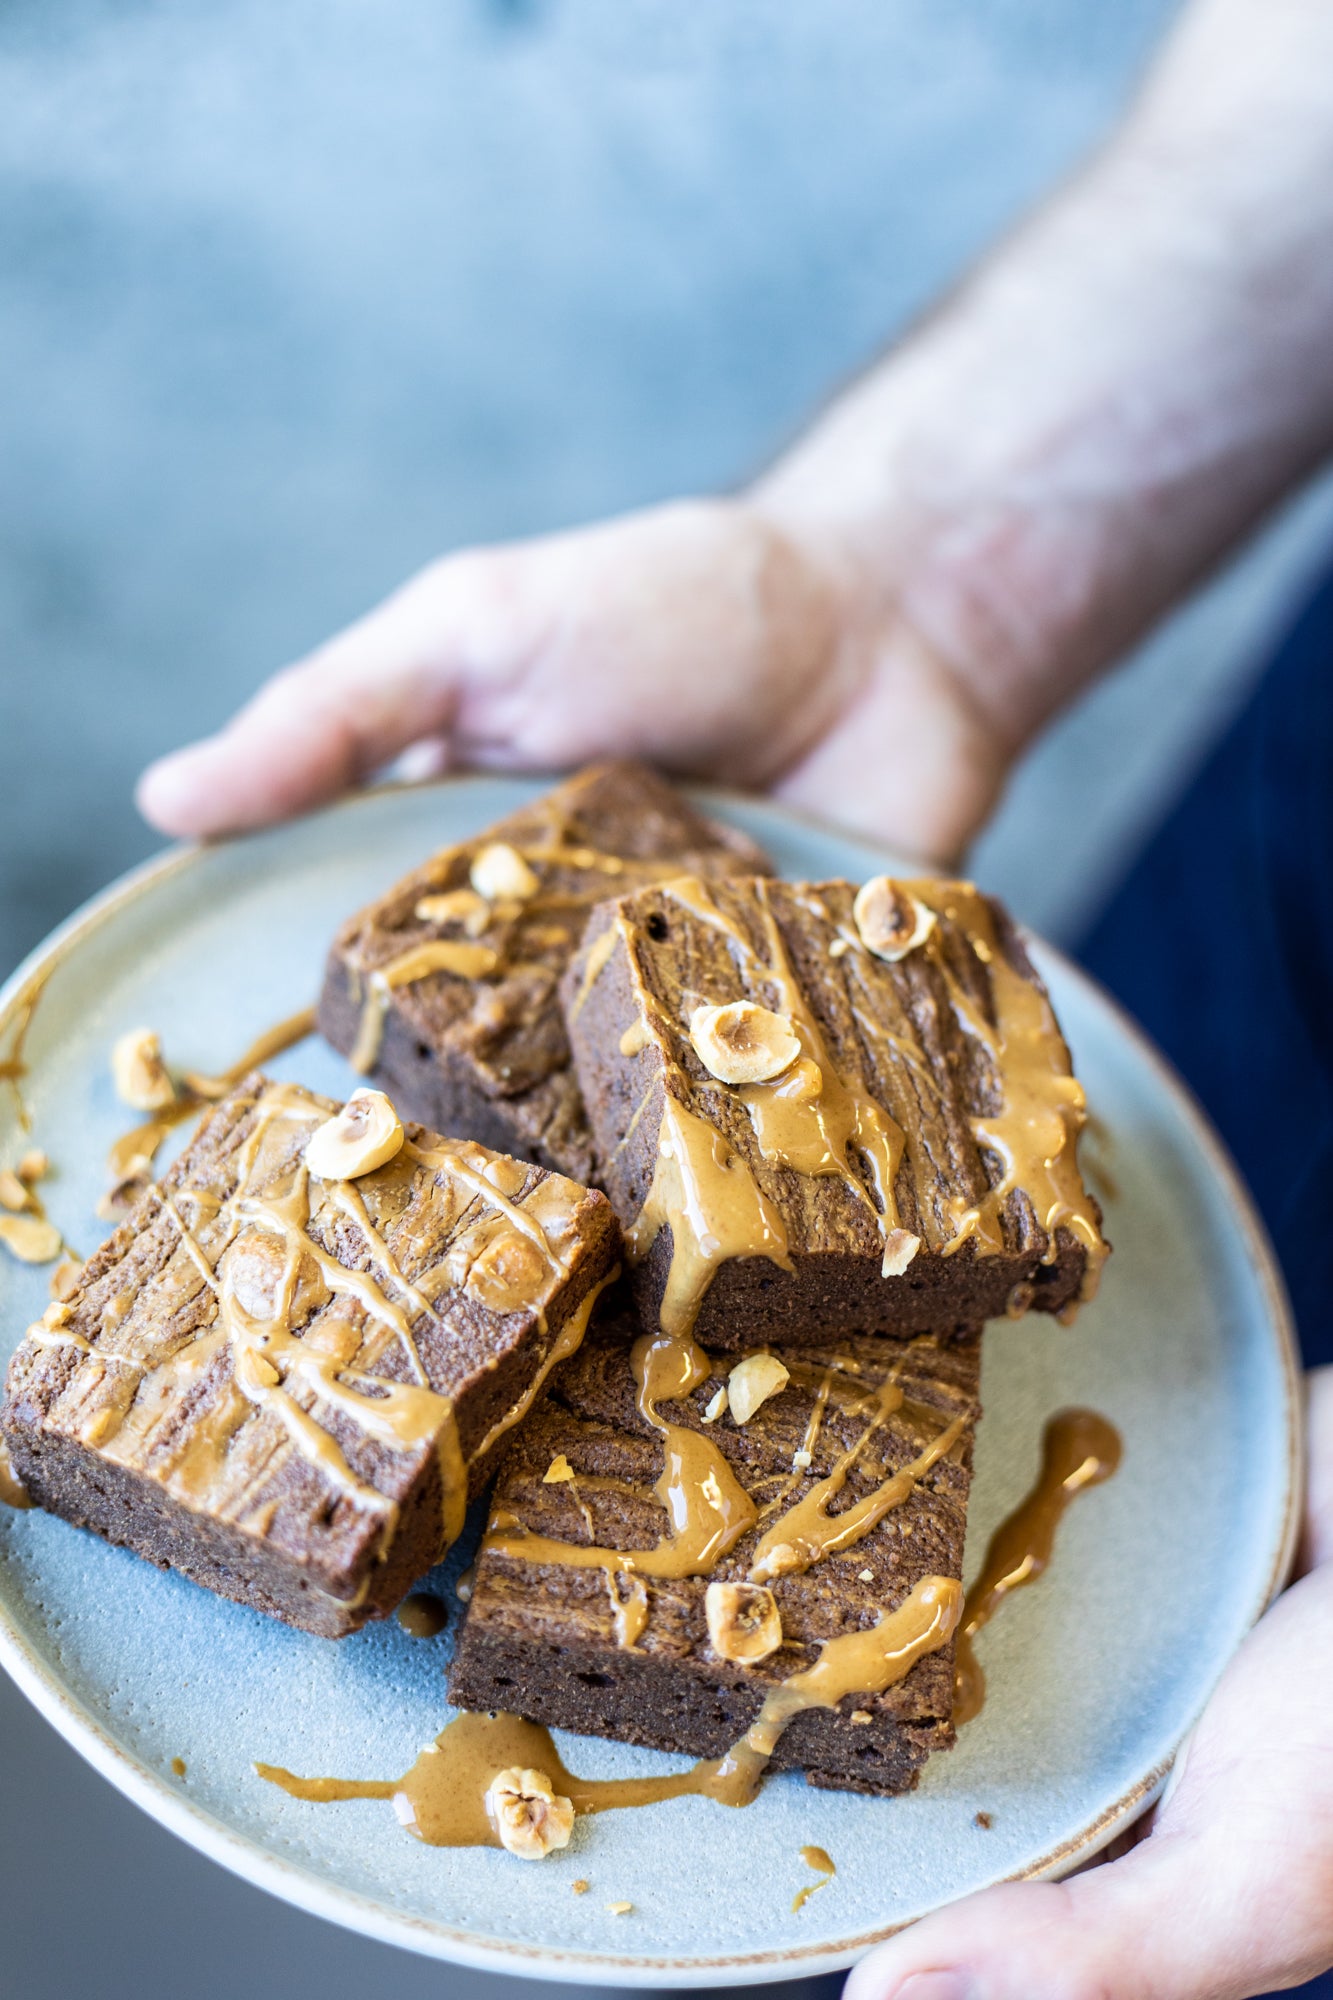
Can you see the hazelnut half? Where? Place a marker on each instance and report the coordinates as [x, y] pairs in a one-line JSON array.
[[744, 1623], [751, 1382], [743, 1042], [528, 1813], [362, 1136], [455, 906], [891, 921], [32, 1241], [139, 1073], [501, 875]]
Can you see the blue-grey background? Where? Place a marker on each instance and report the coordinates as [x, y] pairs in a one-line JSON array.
[[294, 296]]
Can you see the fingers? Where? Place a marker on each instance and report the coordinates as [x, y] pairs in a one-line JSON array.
[[330, 721]]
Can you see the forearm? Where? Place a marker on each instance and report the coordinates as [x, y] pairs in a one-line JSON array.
[[1116, 396]]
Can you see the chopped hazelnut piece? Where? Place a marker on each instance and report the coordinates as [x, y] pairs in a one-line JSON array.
[[580, 1887], [866, 1575], [456, 906], [528, 1814], [900, 1247], [139, 1073], [801, 1461], [890, 920], [717, 1404], [65, 1278], [743, 1621], [751, 1382], [861, 1716], [34, 1166], [501, 875], [742, 1042], [13, 1194], [619, 1909], [365, 1134], [559, 1468], [30, 1240]]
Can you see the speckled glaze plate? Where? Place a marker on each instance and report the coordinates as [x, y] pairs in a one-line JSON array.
[[1095, 1675]]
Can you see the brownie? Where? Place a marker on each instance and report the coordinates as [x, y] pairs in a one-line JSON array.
[[448, 998], [624, 1653], [284, 1387], [907, 1161]]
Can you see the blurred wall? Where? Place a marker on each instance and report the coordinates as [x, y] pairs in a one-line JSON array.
[[294, 296]]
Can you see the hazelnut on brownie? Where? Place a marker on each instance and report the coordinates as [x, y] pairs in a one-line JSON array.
[[818, 1108], [288, 1367], [445, 991]]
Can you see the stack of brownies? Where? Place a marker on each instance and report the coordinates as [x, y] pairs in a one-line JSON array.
[[734, 1171]]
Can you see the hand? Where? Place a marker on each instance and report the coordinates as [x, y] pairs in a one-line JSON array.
[[701, 636], [1230, 1892]]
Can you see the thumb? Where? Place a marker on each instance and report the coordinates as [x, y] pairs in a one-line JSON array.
[[388, 681]]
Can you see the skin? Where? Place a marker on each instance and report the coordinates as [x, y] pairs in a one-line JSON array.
[[873, 631]]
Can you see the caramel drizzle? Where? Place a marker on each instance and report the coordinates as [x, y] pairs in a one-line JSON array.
[[441, 1800], [452, 955], [334, 1364], [1079, 1449], [12, 1490]]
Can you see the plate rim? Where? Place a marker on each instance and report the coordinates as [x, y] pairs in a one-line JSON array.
[[305, 1888]]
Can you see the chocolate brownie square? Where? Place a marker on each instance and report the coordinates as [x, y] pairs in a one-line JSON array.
[[662, 1559], [285, 1386], [820, 1109], [445, 991]]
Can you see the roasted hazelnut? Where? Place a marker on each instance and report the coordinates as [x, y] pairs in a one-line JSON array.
[[139, 1073], [365, 1134], [751, 1382], [30, 1240], [743, 1042], [501, 875], [890, 920], [744, 1623], [528, 1814]]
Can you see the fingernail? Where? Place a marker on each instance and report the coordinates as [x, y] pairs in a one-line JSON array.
[[946, 1985]]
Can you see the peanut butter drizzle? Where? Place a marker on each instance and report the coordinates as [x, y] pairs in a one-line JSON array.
[[132, 1155], [455, 955], [1079, 1449], [818, 1859], [808, 1533], [422, 1615], [599, 954], [704, 1192], [708, 1510], [1035, 1132], [13, 1067], [441, 1800]]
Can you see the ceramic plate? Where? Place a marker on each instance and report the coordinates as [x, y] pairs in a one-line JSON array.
[[1095, 1675]]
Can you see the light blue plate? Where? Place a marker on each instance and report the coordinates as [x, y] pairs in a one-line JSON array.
[[1095, 1676]]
